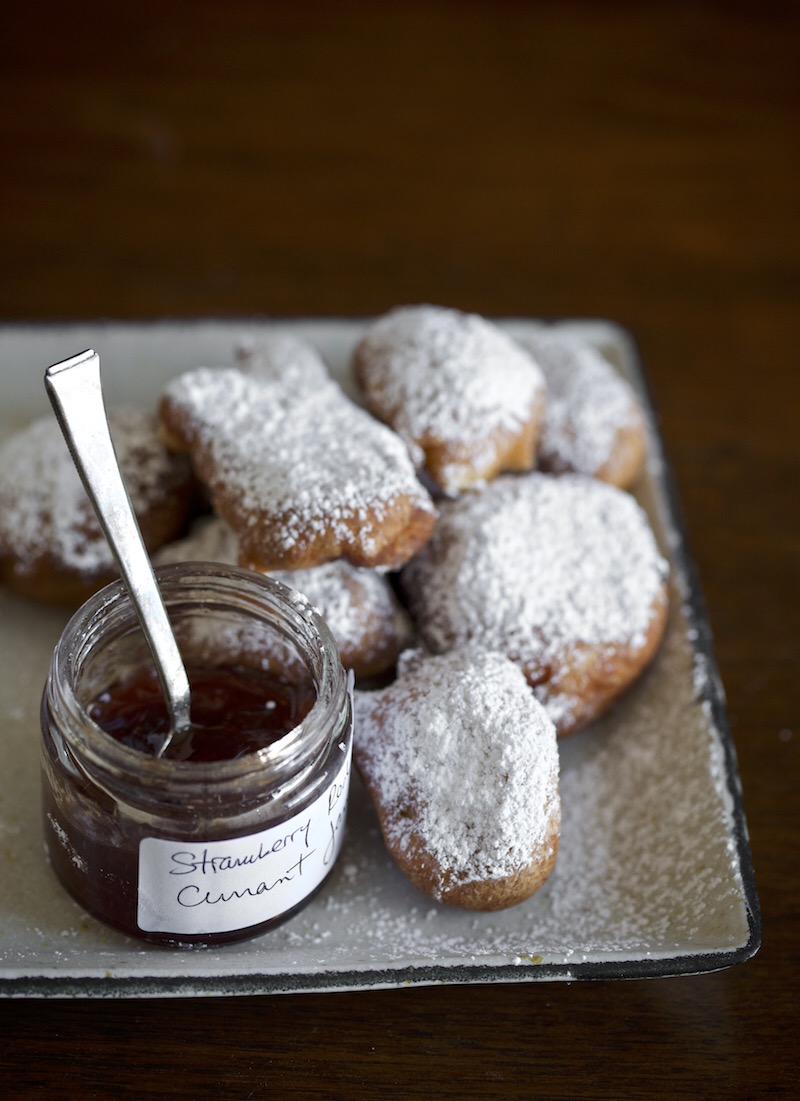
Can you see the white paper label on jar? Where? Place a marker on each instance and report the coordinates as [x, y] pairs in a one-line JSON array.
[[220, 886]]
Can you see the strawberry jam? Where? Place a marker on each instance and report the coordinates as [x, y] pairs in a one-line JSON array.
[[234, 710]]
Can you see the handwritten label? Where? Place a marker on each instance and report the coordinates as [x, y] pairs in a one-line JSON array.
[[201, 887]]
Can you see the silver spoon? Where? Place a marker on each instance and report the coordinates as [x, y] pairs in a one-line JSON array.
[[76, 394]]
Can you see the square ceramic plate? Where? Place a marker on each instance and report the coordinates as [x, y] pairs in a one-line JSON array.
[[654, 874]]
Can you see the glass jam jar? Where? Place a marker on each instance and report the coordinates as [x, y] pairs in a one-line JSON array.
[[196, 852]]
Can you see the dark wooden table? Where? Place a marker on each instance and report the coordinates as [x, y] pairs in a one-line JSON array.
[[634, 161]]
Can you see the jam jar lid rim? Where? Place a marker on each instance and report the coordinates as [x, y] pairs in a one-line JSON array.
[[332, 685]]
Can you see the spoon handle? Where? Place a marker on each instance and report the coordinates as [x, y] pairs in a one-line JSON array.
[[76, 394]]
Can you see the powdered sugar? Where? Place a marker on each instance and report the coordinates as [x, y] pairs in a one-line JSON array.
[[44, 510], [588, 403], [282, 356], [461, 739], [439, 374]]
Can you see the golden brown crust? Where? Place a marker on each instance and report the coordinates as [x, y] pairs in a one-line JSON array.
[[625, 464], [457, 466], [588, 680], [493, 893]]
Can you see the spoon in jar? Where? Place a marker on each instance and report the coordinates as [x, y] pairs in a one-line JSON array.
[[75, 392]]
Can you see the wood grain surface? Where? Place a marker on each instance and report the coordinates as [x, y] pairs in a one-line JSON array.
[[633, 161]]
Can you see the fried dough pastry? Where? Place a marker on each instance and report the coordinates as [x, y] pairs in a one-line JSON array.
[[301, 474], [466, 398], [561, 574], [282, 357], [52, 547], [593, 423], [366, 618], [461, 763]]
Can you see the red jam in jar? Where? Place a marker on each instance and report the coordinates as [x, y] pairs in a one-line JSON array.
[[235, 710], [237, 825]]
